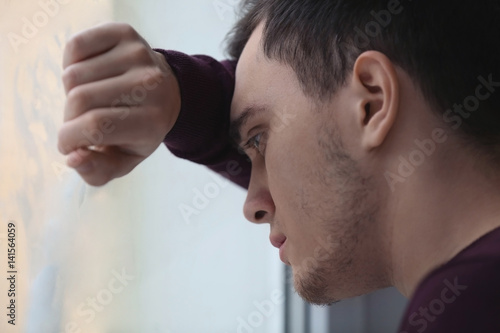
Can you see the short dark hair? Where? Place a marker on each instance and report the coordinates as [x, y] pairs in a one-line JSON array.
[[444, 45]]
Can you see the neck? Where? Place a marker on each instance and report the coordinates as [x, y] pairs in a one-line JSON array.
[[437, 214]]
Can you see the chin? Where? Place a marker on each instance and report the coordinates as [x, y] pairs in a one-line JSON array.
[[314, 287], [324, 286]]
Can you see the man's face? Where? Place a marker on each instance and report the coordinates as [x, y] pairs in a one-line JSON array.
[[304, 181]]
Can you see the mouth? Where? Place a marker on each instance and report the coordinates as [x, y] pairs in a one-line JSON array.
[[278, 241]]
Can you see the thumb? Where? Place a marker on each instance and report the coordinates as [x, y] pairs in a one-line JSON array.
[[99, 166]]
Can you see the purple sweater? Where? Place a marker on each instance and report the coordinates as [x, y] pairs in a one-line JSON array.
[[462, 296], [201, 133]]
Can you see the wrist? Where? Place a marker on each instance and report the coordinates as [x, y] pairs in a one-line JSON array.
[[174, 101]]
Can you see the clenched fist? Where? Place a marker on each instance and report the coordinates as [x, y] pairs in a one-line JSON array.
[[122, 100]]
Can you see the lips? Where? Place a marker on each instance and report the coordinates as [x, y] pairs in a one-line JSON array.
[[277, 240]]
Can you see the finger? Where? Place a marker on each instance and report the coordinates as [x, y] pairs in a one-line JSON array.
[[111, 127], [125, 90], [109, 64], [98, 168], [95, 69], [95, 41]]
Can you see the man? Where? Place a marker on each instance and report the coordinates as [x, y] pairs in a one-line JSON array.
[[371, 126]]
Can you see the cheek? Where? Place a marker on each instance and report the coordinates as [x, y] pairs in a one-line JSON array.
[[292, 167], [293, 164], [285, 171]]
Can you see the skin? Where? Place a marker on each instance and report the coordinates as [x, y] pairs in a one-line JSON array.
[[318, 169], [307, 184], [118, 86], [321, 178]]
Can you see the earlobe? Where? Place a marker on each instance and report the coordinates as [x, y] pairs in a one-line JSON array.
[[377, 86]]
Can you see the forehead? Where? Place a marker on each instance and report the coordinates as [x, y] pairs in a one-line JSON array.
[[260, 80]]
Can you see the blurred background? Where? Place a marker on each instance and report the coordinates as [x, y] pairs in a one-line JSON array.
[[123, 258]]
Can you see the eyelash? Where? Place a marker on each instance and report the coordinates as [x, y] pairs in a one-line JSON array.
[[255, 144]]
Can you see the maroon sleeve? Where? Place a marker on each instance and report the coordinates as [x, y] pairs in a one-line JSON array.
[[201, 133], [463, 296]]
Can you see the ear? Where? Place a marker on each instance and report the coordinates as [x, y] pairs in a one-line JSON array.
[[377, 89]]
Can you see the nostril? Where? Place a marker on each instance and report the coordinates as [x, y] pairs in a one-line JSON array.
[[260, 215]]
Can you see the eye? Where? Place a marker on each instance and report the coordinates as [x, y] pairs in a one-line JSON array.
[[257, 143]]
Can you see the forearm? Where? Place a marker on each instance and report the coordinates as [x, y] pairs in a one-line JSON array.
[[201, 133]]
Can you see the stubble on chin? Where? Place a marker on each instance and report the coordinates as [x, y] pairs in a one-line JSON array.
[[345, 214]]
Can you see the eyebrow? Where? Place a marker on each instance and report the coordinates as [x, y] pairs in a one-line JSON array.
[[237, 124]]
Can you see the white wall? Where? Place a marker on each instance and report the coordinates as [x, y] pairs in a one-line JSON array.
[[75, 240]]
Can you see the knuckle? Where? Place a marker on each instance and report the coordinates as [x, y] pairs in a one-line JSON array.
[[65, 140], [61, 137], [109, 25], [155, 75], [74, 46], [141, 53], [61, 142], [92, 120], [70, 77], [77, 100], [127, 30]]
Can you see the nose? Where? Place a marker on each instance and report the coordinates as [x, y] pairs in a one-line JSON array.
[[259, 205]]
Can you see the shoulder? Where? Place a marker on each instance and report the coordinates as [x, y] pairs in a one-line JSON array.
[[461, 296]]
